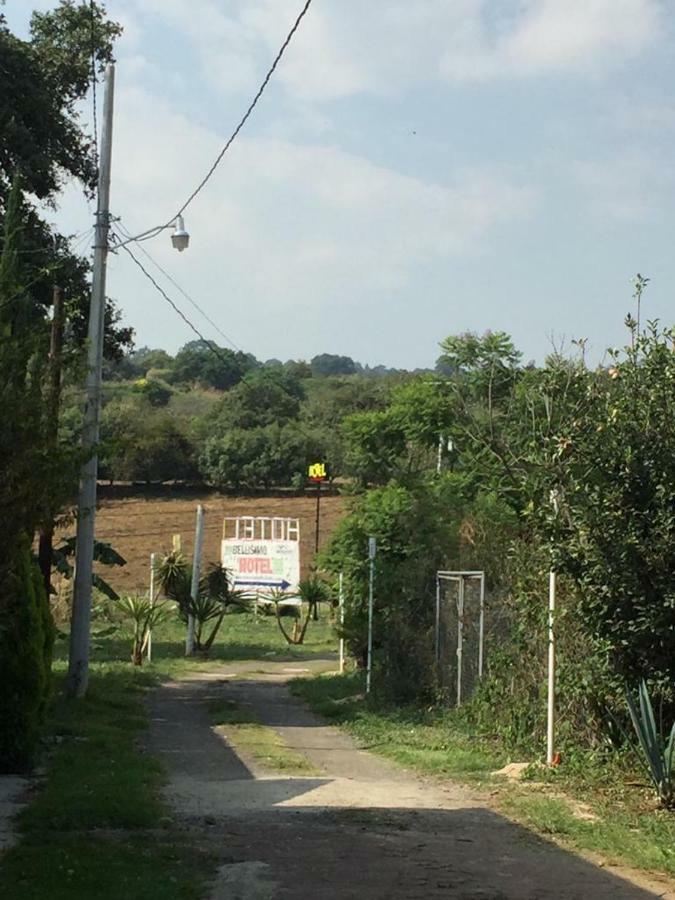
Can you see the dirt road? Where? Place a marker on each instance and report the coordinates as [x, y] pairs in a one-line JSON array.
[[361, 828]]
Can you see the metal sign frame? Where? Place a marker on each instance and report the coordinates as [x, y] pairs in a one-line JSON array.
[[461, 577]]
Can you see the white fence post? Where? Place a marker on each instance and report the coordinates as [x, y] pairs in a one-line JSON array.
[[194, 589], [153, 557], [372, 550], [341, 602]]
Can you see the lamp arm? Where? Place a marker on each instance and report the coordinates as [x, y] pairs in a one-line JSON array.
[[144, 235]]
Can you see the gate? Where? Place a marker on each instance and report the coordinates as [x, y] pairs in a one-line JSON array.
[[460, 631]]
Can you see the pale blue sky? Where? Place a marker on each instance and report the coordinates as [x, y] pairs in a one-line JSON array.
[[415, 169]]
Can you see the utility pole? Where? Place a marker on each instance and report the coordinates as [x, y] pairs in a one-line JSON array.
[[78, 660], [53, 400]]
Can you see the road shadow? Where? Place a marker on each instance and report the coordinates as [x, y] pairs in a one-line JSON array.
[[364, 829], [408, 854]]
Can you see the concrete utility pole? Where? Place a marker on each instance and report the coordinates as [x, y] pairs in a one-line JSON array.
[[53, 401], [78, 660]]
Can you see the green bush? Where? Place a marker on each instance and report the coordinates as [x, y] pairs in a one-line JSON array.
[[412, 537], [26, 638]]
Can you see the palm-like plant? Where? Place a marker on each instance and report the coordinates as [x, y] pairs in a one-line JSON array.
[[311, 591], [145, 616], [214, 596]]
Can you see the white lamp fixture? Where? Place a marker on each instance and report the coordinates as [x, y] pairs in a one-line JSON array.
[[180, 237]]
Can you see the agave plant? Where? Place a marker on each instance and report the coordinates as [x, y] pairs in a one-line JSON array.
[[659, 753], [145, 616]]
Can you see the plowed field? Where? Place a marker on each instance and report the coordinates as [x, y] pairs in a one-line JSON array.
[[137, 527]]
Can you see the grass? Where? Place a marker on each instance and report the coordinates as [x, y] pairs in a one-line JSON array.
[[264, 744], [242, 636], [98, 826], [625, 827], [642, 840], [425, 740]]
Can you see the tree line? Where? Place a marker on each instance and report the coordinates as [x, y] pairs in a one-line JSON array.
[[560, 467], [221, 417]]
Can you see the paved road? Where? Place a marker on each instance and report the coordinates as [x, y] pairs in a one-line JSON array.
[[361, 828]]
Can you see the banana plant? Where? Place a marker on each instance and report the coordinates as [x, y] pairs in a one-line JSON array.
[[658, 753]]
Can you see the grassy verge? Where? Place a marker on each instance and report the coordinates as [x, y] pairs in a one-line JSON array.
[[267, 747], [98, 827], [242, 636], [592, 811], [425, 740]]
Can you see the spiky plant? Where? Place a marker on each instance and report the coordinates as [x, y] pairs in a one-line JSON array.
[[145, 616], [658, 753]]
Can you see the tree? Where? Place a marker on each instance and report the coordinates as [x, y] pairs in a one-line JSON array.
[[616, 469], [210, 366], [42, 139], [142, 443], [263, 398], [256, 457], [413, 532], [331, 364]]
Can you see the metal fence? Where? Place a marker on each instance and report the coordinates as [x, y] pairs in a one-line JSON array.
[[460, 632]]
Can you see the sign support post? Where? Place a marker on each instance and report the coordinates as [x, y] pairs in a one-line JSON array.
[[317, 474]]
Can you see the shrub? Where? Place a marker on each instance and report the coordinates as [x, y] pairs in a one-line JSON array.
[[26, 639]]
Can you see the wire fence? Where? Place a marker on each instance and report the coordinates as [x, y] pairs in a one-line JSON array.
[[469, 627]]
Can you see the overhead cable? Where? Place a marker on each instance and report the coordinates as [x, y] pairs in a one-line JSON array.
[[244, 119]]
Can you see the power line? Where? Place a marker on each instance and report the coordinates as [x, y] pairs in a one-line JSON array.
[[184, 293], [248, 112], [210, 344], [176, 308]]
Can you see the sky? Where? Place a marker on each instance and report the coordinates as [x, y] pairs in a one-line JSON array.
[[415, 169]]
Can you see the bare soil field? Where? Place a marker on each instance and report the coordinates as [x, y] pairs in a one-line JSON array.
[[139, 526]]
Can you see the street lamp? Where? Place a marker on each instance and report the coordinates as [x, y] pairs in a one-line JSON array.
[[180, 237]]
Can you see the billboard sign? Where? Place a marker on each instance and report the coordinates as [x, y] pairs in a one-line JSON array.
[[262, 564]]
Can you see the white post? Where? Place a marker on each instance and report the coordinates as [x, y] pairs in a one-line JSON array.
[[481, 626], [438, 619], [460, 638], [80, 627], [341, 601], [550, 724], [194, 588], [439, 457], [372, 549], [153, 558]]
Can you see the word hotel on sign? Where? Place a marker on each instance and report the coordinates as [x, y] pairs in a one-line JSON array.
[[317, 472]]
